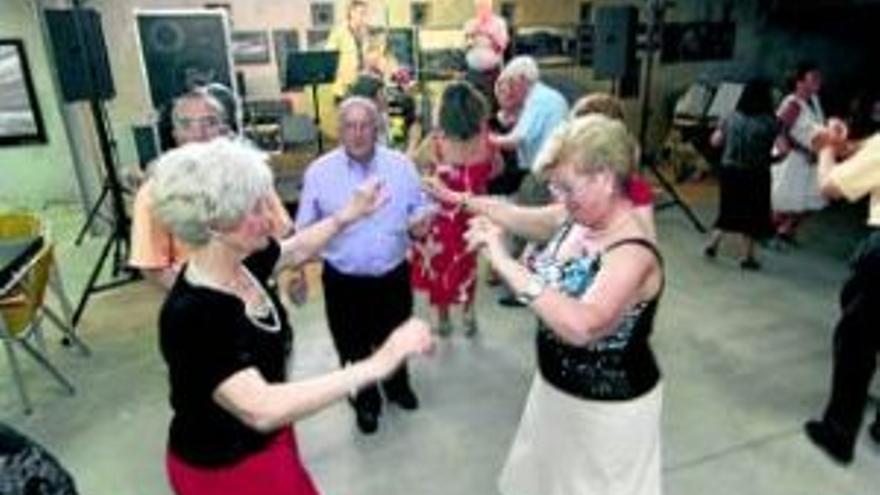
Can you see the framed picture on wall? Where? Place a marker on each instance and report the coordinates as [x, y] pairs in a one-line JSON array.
[[322, 14], [547, 44], [250, 47], [21, 121]]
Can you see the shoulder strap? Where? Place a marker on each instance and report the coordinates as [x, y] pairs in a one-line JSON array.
[[650, 246], [556, 242]]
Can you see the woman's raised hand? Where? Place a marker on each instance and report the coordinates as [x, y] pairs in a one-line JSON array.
[[367, 198], [435, 188], [411, 338], [485, 235]]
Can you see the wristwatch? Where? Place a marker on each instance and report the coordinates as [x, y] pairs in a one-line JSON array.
[[534, 289]]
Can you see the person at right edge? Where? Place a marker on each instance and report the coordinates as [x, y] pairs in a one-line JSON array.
[[856, 339]]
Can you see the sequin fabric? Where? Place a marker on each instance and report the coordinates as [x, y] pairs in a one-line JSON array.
[[619, 366]]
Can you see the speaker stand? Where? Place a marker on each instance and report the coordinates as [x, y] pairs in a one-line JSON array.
[[654, 18], [317, 118], [118, 240]]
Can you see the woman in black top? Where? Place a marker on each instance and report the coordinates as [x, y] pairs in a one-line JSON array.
[[592, 421], [226, 338], [747, 136]]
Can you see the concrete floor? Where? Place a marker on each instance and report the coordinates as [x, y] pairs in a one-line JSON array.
[[746, 358]]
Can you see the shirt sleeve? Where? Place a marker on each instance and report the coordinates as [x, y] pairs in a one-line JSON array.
[[151, 243], [308, 211], [525, 123], [860, 174], [416, 200]]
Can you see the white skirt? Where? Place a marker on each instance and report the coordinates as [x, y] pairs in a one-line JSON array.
[[571, 446], [795, 185]]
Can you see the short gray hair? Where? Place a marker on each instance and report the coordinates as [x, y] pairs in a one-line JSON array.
[[353, 101], [200, 187], [199, 93], [522, 66]]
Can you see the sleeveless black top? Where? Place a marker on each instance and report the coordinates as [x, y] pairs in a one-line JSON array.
[[619, 366]]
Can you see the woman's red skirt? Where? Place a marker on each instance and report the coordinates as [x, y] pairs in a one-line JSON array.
[[275, 470]]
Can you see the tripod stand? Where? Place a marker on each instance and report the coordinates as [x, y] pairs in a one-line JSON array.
[[656, 9], [95, 211], [118, 240]]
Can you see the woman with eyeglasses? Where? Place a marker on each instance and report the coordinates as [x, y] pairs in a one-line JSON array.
[[591, 424]]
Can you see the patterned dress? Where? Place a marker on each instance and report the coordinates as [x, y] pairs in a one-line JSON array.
[[441, 265]]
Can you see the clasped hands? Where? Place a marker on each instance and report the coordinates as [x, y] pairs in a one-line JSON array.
[[834, 135]]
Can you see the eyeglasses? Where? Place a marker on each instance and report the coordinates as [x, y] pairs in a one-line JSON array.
[[201, 122], [356, 126], [567, 190]]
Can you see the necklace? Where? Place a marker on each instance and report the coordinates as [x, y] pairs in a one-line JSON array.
[[261, 312]]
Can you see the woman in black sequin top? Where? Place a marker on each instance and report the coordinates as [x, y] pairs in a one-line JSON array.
[[592, 421]]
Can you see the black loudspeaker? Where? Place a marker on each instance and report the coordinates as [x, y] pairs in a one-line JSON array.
[[286, 41], [614, 40], [420, 13], [183, 50], [80, 54], [322, 14]]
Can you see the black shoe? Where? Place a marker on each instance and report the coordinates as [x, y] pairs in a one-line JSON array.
[[874, 431], [750, 264], [710, 251], [788, 239], [830, 442], [367, 422], [510, 301], [406, 399]]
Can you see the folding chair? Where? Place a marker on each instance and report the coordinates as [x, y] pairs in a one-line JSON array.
[[23, 307]]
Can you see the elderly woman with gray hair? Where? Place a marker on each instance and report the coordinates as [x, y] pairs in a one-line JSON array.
[[225, 337], [592, 421]]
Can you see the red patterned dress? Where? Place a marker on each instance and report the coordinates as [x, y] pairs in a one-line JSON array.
[[441, 265]]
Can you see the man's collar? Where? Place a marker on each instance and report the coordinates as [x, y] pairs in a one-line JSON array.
[[366, 165]]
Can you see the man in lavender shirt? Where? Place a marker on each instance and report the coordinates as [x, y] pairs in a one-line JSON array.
[[366, 277]]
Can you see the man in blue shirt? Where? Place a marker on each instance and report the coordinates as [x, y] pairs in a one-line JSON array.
[[366, 277], [543, 109]]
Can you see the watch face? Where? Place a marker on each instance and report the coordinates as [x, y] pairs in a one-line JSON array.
[[533, 290]]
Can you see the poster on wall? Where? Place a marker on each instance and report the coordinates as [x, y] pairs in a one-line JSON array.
[[250, 47], [20, 119]]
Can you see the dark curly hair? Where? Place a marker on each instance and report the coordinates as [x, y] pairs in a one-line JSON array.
[[463, 110]]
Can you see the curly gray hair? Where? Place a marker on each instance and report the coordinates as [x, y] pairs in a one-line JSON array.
[[200, 187]]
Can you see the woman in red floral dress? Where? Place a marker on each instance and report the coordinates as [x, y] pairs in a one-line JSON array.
[[464, 161]]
